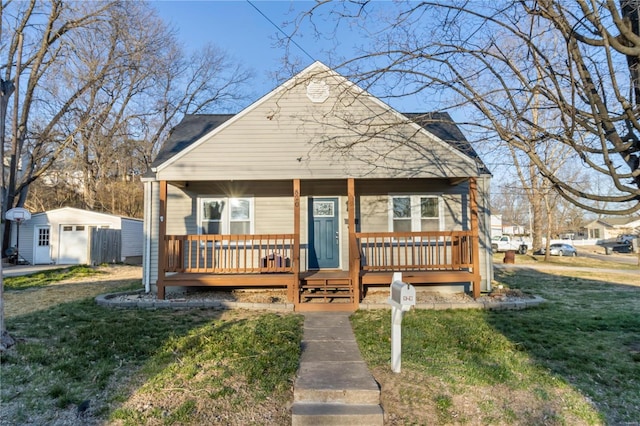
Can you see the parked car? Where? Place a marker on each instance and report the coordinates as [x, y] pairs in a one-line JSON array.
[[626, 238], [506, 243], [561, 249]]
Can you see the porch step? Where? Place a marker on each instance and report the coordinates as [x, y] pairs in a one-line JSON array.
[[327, 289], [326, 283]]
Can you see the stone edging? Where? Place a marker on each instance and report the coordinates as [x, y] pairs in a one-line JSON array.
[[110, 300]]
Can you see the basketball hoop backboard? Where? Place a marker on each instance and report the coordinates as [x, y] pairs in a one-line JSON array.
[[18, 214]]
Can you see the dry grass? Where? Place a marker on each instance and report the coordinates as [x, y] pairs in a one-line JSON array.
[[38, 298]]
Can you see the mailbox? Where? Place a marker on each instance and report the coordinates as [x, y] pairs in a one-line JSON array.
[[403, 295]]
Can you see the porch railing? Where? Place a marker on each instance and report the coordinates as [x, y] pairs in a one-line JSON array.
[[415, 251], [229, 254]]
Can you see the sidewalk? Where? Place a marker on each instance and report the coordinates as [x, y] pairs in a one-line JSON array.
[[333, 385], [18, 270]]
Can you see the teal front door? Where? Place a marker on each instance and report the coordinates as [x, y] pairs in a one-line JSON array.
[[324, 243]]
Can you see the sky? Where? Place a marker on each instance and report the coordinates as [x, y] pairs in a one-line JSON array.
[[250, 38]]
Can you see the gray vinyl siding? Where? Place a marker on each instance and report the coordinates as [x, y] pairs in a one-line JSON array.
[[181, 211], [26, 243], [273, 215], [374, 213], [286, 136], [273, 204], [131, 237]]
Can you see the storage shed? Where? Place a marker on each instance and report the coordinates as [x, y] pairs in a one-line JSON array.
[[64, 236]]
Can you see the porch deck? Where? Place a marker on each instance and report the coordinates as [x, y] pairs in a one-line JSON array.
[[424, 258]]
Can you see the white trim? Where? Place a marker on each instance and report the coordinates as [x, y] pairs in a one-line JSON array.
[[146, 263]]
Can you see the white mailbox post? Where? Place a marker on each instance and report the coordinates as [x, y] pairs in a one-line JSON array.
[[403, 297]]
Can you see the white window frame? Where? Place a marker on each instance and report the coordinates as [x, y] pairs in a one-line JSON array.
[[225, 219], [416, 214]]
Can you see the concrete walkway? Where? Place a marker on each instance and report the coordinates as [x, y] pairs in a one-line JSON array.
[[333, 385], [19, 270]]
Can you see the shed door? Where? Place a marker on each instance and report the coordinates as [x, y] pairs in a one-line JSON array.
[[324, 237], [74, 245], [41, 245]]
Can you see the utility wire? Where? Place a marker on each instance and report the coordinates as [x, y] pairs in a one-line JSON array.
[[281, 30]]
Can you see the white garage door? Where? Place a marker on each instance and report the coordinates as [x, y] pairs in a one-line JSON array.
[[74, 245]]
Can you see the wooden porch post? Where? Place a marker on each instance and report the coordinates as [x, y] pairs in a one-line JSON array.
[[475, 243], [354, 263], [293, 293], [162, 232]]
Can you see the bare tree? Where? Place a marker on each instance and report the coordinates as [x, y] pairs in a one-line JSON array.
[[105, 82], [578, 61], [35, 44], [101, 84]]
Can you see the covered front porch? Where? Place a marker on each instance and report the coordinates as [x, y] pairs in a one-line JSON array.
[[274, 260]]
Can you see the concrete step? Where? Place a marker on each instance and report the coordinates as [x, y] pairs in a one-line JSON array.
[[324, 414], [347, 382]]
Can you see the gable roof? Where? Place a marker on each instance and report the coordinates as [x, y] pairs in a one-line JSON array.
[[196, 130], [441, 124], [190, 129], [194, 126], [614, 222]]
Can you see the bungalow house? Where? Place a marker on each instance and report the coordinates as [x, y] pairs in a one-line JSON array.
[[322, 189], [609, 228]]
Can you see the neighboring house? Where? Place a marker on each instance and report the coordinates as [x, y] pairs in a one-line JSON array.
[[496, 225], [611, 227], [322, 189], [513, 229], [64, 236]]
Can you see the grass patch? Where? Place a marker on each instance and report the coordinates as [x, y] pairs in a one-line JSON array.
[[49, 277], [579, 261], [138, 365], [572, 361], [104, 279]]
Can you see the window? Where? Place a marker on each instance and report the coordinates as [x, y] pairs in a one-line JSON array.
[[415, 213], [401, 214], [429, 214], [226, 216], [240, 220], [43, 237]]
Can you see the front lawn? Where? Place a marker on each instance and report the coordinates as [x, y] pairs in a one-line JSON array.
[[79, 363], [575, 360]]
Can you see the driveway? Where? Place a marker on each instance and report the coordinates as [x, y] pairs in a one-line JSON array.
[[598, 252], [18, 270]]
